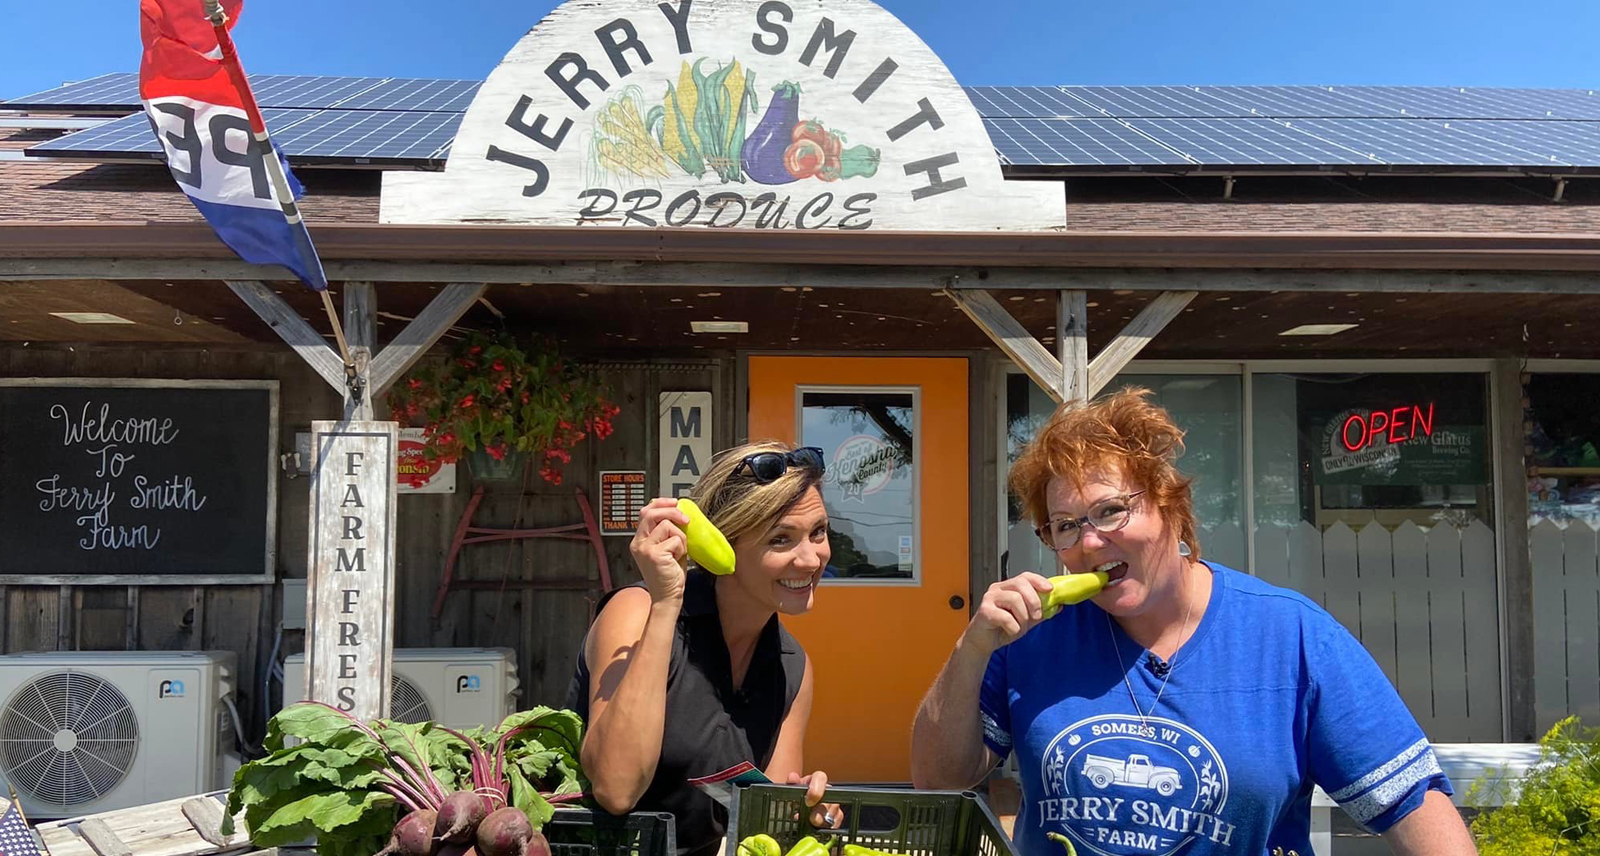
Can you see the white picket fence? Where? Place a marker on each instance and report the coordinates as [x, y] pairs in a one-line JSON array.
[[1422, 602], [1566, 622]]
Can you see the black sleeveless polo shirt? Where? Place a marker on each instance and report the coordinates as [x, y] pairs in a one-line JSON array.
[[710, 726]]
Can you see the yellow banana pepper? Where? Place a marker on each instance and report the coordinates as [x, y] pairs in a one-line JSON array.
[[1069, 589], [808, 846], [760, 845], [1063, 841], [707, 545]]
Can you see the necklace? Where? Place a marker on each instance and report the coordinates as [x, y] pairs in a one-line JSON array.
[[1171, 664]]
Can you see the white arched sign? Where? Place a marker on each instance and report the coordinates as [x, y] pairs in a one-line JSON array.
[[784, 114]]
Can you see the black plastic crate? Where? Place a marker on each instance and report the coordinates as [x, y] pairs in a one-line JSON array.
[[581, 832], [917, 823]]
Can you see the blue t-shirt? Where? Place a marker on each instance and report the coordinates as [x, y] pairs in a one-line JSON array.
[[1269, 697]]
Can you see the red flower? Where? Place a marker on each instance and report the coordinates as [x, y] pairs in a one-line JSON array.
[[414, 383], [525, 396], [466, 363], [498, 452], [475, 349], [468, 401], [499, 366]]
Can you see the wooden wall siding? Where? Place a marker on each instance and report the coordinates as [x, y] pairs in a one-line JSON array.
[[545, 626], [1424, 603]]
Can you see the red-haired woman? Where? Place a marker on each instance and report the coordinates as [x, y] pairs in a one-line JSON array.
[[1188, 708]]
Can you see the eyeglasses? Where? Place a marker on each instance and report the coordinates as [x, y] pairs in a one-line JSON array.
[[768, 467], [1107, 515]]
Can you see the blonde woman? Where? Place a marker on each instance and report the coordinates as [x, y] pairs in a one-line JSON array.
[[686, 674]]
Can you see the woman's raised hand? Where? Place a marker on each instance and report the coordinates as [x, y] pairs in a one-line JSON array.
[[659, 548], [1010, 608]]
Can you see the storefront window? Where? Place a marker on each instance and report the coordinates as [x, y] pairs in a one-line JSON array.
[[868, 438], [1565, 438], [1210, 410], [1358, 449]]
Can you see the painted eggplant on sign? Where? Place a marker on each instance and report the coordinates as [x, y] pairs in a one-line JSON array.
[[784, 149]]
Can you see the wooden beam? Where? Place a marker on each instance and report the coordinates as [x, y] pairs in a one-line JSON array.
[[361, 334], [404, 350], [1018, 344], [1509, 433], [1145, 326], [308, 343], [769, 275], [1072, 345]]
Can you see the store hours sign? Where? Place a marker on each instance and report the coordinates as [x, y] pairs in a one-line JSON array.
[[782, 114]]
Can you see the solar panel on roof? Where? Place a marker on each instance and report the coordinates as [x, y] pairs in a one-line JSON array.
[[1104, 142], [369, 134], [995, 102], [1225, 142], [319, 117], [1126, 102], [107, 90], [1297, 101], [409, 93], [1437, 102], [1416, 142], [1574, 143], [342, 135], [1555, 103], [308, 91]]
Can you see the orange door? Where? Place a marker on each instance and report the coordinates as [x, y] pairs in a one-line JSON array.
[[893, 600]]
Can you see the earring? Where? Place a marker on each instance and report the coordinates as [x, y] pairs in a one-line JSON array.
[[1183, 548]]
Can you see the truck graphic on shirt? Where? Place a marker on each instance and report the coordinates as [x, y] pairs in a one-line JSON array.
[[1135, 772]]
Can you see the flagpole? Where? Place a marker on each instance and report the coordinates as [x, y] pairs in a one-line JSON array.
[[17, 802], [258, 127]]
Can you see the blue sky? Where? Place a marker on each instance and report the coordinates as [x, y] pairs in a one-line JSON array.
[[1023, 42]]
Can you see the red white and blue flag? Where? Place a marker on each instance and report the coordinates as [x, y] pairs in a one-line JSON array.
[[201, 109], [16, 839]]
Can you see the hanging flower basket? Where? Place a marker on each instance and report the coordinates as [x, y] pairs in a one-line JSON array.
[[503, 405], [506, 469]]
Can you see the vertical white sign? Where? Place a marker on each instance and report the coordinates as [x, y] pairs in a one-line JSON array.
[[685, 440], [349, 608]]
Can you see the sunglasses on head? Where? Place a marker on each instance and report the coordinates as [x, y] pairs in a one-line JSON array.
[[768, 467]]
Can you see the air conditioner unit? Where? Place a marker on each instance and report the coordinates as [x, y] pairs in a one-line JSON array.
[[82, 732], [456, 687]]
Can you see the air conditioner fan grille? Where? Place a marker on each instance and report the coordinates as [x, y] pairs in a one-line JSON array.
[[67, 738], [406, 702]]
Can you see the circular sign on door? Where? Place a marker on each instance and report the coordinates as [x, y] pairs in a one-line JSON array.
[[862, 465]]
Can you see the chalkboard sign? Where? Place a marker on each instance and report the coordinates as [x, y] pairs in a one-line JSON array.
[[137, 481]]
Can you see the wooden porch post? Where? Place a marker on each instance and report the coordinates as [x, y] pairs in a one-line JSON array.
[[1072, 343], [1516, 565], [361, 332], [350, 590]]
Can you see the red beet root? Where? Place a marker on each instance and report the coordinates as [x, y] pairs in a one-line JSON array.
[[459, 817], [413, 835], [505, 832]]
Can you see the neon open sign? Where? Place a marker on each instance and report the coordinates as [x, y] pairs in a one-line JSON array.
[[1395, 425]]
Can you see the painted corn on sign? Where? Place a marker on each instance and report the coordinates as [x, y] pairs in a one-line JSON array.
[[783, 114]]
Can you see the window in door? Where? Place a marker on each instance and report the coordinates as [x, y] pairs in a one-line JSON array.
[[868, 438]]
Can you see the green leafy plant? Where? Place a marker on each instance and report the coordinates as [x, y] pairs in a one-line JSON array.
[[1555, 809], [494, 394], [347, 782]]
